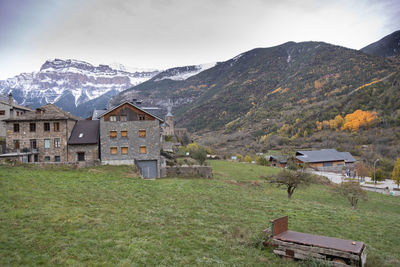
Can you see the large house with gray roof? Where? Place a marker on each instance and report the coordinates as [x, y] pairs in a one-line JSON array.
[[325, 158]]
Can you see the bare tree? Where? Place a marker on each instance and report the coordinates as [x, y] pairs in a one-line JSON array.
[[291, 180], [352, 191]]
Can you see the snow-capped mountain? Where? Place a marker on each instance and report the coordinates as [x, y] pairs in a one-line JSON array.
[[72, 83], [144, 90]]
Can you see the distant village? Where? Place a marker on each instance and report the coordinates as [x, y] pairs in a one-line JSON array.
[[125, 134]]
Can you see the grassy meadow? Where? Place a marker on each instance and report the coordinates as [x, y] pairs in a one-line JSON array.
[[107, 216]]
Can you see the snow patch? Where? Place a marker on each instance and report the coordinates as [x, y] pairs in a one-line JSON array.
[[180, 76]]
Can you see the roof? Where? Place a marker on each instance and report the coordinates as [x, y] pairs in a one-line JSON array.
[[135, 106], [348, 158], [15, 105], [324, 155], [97, 113], [46, 112], [281, 159], [85, 132]]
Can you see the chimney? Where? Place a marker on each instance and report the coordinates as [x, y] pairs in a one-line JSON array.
[[10, 99]]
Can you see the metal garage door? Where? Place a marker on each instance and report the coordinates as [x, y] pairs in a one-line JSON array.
[[147, 168]]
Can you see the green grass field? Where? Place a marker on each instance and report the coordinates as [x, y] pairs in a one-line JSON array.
[[106, 216]]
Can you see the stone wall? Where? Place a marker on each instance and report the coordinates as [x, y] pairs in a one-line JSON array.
[[80, 164], [132, 141], [91, 152], [187, 171]]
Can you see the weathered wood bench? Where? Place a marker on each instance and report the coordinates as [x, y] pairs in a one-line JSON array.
[[336, 251]]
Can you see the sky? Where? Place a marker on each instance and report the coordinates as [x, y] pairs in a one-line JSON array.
[[161, 34]]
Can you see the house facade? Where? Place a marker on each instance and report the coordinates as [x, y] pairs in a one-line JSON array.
[[40, 135], [9, 109], [131, 135]]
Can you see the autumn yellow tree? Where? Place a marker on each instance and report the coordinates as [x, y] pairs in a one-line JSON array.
[[336, 123], [357, 119], [396, 172]]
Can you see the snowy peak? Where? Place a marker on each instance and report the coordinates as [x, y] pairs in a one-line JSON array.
[[70, 83], [183, 73]]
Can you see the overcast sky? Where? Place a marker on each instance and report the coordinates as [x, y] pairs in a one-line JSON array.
[[168, 33]]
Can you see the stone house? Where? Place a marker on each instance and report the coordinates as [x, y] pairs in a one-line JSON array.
[[131, 135], [9, 109], [84, 142], [40, 135]]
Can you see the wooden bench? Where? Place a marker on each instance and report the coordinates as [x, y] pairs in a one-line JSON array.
[[338, 252]]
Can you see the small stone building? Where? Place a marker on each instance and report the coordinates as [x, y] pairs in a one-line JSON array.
[[131, 135], [84, 142], [40, 135]]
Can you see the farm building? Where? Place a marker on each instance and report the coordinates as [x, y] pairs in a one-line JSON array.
[[325, 159]]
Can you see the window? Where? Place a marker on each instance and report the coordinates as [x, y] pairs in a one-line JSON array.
[[113, 118], [124, 150], [113, 150], [17, 113], [46, 143], [2, 112], [35, 158], [47, 158], [124, 133], [327, 164], [81, 156], [113, 134], [56, 126], [57, 158], [46, 126], [122, 118], [32, 127], [141, 117], [143, 150], [16, 128], [56, 142], [16, 144], [33, 143], [142, 133]]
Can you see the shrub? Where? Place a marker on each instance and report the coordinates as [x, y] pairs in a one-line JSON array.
[[199, 154], [247, 159], [261, 160]]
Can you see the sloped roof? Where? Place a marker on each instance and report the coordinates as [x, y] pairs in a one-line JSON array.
[[85, 132], [97, 113], [324, 155], [281, 159], [46, 112], [15, 105], [348, 158], [135, 106]]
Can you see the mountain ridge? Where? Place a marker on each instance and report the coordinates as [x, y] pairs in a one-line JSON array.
[[70, 83], [388, 46]]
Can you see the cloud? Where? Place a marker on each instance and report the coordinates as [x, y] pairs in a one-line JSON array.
[[167, 33]]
